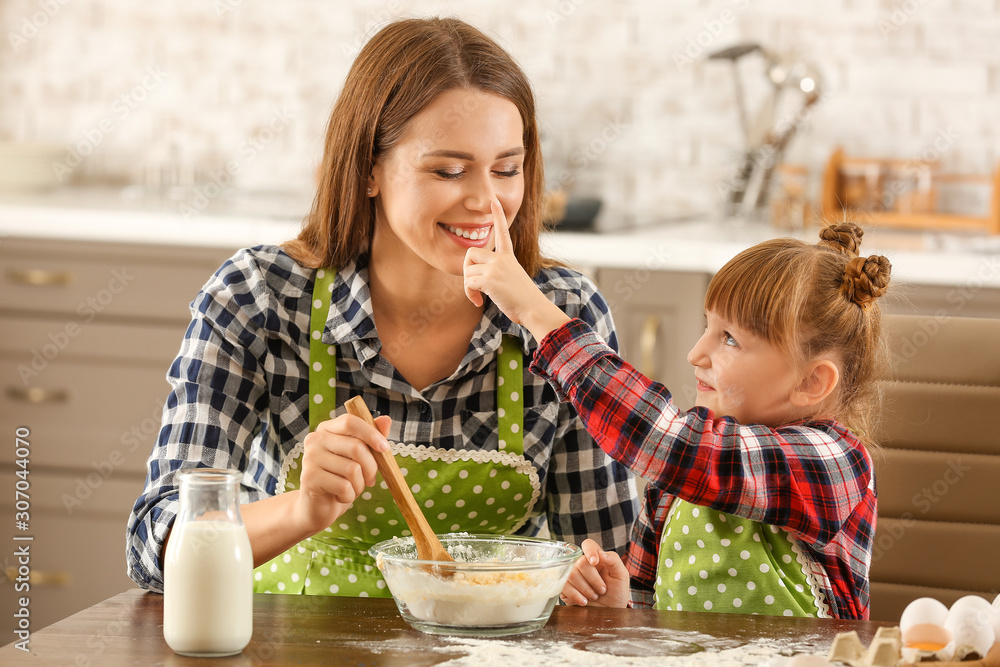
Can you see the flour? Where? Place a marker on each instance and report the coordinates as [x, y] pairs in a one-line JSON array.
[[477, 598], [660, 648], [632, 647], [502, 588]]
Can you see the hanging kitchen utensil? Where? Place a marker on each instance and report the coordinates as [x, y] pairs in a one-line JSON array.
[[777, 75], [777, 144], [733, 54], [747, 192]]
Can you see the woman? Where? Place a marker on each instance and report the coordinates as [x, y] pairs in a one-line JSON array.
[[434, 123]]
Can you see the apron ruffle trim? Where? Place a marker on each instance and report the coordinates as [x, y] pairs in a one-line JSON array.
[[424, 453], [812, 570], [290, 462]]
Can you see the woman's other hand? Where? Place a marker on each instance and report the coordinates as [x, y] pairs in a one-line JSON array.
[[498, 274], [337, 466], [599, 579]]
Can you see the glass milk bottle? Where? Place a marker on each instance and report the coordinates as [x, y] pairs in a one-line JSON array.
[[208, 568]]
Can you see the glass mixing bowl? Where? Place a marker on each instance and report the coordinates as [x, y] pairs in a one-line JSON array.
[[498, 585]]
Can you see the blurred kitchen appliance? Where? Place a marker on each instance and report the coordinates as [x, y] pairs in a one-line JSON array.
[[569, 213], [765, 139], [905, 193]]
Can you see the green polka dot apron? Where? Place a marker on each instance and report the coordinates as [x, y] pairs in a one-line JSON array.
[[712, 561], [459, 490]]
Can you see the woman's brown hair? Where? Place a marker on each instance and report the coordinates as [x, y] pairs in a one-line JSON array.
[[811, 300], [396, 74]]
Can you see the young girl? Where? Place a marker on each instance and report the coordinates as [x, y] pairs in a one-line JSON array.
[[762, 497]]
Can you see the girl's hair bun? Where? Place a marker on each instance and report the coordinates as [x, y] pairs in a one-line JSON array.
[[866, 279], [844, 238]]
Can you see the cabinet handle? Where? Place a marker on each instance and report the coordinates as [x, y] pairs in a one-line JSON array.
[[37, 578], [37, 395], [39, 277], [647, 345]]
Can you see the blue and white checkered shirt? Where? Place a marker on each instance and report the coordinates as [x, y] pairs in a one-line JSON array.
[[240, 399]]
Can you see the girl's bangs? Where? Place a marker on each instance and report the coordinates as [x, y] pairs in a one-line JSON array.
[[758, 290]]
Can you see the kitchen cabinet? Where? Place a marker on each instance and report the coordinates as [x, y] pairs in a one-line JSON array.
[[659, 317], [87, 332]]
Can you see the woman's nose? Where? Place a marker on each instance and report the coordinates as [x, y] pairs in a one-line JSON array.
[[480, 194]]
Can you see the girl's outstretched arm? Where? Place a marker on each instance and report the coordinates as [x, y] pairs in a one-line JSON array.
[[809, 479], [598, 579]]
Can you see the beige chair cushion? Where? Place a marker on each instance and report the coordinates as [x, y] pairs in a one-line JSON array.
[[938, 475]]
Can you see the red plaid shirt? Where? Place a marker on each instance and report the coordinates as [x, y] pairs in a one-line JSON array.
[[814, 480]]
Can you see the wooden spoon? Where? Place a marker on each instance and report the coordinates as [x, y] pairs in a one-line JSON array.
[[428, 545]]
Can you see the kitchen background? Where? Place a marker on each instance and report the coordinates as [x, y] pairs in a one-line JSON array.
[[161, 111], [633, 112]]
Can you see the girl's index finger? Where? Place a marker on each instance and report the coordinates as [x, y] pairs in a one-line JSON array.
[[501, 232]]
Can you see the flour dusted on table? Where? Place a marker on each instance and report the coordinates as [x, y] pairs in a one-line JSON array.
[[716, 653]]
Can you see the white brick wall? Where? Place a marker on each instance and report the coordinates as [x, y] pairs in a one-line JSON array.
[[199, 84]]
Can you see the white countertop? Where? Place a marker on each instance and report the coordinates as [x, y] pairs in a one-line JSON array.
[[246, 219]]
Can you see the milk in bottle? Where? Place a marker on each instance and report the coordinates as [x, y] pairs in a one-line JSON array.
[[208, 568]]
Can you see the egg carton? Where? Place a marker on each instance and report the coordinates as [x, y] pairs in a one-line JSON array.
[[967, 634], [933, 632], [885, 649]]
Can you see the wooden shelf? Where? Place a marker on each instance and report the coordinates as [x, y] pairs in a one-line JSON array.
[[834, 180]]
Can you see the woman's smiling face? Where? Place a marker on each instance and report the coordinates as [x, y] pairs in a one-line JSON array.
[[435, 186]]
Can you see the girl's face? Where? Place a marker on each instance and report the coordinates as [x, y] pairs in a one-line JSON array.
[[434, 188], [742, 376]]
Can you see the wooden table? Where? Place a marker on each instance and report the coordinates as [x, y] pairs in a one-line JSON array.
[[305, 630]]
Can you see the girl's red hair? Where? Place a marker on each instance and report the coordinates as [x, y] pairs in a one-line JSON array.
[[811, 300]]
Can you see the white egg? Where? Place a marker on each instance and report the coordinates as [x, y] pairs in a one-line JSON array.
[[927, 641], [996, 618], [970, 602], [923, 611], [971, 626]]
